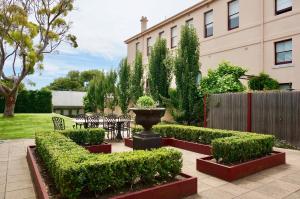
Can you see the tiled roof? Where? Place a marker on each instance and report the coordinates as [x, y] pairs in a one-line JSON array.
[[67, 98]]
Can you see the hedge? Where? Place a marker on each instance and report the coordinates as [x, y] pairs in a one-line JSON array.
[[227, 146], [31, 102], [85, 136], [74, 169]]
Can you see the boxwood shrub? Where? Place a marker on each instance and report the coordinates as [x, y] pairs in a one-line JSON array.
[[74, 169], [85, 136], [227, 146]]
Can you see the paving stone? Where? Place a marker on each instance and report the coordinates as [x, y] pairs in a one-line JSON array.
[[12, 186], [20, 194], [203, 187], [253, 195], [233, 189], [17, 178], [278, 189], [215, 194], [246, 184], [2, 188], [295, 195], [212, 181]]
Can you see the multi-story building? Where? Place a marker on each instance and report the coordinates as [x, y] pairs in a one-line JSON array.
[[260, 35]]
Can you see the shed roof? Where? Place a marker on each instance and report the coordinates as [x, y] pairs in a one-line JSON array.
[[67, 98]]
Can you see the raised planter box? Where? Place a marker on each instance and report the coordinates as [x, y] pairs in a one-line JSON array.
[[231, 173], [184, 187], [189, 146], [101, 148]]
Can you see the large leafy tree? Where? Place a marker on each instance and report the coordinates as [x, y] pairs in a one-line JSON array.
[[263, 82], [159, 70], [223, 79], [187, 68], [137, 84], [28, 30], [124, 85]]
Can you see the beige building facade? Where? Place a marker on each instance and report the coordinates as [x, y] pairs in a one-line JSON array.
[[260, 35]]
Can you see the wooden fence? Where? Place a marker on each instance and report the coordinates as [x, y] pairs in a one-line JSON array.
[[276, 113]]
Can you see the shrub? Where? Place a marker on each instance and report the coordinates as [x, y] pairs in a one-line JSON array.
[[228, 146], [74, 169], [242, 148], [85, 136], [263, 82], [145, 102]]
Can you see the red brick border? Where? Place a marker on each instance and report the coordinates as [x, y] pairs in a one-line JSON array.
[[100, 148]]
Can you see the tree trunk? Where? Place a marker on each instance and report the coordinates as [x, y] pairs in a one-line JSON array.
[[10, 103]]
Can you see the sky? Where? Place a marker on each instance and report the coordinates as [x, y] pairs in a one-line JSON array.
[[101, 27]]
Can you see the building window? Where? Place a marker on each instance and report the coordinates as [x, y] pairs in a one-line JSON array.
[[283, 52], [199, 78], [208, 24], [233, 14], [174, 37], [282, 6], [189, 22], [148, 46], [161, 34], [286, 86], [137, 47]]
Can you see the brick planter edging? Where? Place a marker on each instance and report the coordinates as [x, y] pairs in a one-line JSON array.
[[100, 148], [39, 185], [231, 173], [173, 190], [189, 146]]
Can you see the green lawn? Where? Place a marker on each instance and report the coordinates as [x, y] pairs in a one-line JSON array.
[[25, 125]]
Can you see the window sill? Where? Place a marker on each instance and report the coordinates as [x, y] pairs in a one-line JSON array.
[[283, 66]]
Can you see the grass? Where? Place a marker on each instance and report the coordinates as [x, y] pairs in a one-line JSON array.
[[25, 125]]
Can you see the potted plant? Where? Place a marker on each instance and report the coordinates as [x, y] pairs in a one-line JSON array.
[[147, 114]]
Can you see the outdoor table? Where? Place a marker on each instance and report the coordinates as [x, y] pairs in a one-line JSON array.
[[118, 123]]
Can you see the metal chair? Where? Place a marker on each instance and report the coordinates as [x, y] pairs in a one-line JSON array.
[[81, 118], [93, 121], [58, 123], [110, 125], [124, 121]]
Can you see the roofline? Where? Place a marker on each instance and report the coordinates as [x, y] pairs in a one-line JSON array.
[[170, 19]]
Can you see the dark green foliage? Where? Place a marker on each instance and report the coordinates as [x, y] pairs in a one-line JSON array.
[[74, 81], [85, 136], [124, 85], [228, 146], [223, 79], [31, 102], [263, 82], [111, 97], [159, 70], [74, 169], [186, 72], [242, 148], [137, 84]]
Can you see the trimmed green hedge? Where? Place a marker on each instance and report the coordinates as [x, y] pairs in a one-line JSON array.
[[227, 146], [75, 169], [31, 102], [85, 136]]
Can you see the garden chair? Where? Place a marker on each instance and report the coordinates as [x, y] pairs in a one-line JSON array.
[[125, 126], [81, 118], [110, 125], [58, 123], [93, 121]]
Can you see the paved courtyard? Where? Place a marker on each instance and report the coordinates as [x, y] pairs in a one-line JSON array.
[[279, 182]]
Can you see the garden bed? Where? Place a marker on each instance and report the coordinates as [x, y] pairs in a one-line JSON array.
[[233, 172], [181, 187], [99, 148], [189, 146]]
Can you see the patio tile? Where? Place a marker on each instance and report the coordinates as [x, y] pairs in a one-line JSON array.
[[212, 181], [233, 189], [278, 189], [215, 194], [260, 177], [203, 187], [2, 195], [246, 184], [253, 195], [12, 186], [292, 178], [295, 195], [18, 178], [17, 172], [2, 188], [20, 194], [2, 180]]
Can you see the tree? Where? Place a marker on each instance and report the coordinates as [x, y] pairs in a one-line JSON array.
[[187, 68], [159, 70], [263, 82], [29, 30], [223, 79], [137, 85], [124, 85], [111, 90], [95, 97]]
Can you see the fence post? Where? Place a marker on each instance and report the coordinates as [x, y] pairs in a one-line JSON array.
[[204, 111], [249, 112]]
